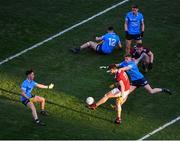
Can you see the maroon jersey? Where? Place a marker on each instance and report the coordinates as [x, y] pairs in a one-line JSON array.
[[135, 54]]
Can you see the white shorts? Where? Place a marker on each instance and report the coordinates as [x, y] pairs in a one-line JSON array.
[[117, 93]]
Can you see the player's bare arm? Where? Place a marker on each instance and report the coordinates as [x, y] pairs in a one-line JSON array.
[[142, 26], [45, 86], [125, 26]]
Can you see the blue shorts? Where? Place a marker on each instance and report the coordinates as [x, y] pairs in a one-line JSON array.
[[99, 49], [140, 82], [25, 102]]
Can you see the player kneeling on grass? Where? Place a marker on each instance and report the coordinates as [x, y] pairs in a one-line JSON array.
[[143, 55], [28, 99], [120, 92], [108, 43]]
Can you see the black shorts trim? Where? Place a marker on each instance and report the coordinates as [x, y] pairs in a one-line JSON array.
[[140, 82], [25, 102], [99, 49], [133, 37]]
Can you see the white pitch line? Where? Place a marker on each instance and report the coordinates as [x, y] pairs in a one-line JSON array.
[[62, 32], [159, 129]]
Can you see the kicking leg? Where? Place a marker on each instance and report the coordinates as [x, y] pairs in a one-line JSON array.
[[102, 100], [128, 46]]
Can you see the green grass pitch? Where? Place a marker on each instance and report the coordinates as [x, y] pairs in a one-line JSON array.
[[24, 23]]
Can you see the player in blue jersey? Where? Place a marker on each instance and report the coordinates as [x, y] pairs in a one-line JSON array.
[[134, 27], [107, 43], [137, 78], [28, 99]]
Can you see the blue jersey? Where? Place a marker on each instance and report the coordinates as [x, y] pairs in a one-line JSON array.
[[134, 22], [110, 41], [27, 86], [133, 73]]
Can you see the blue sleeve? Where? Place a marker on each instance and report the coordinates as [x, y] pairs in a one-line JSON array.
[[34, 84], [130, 65], [121, 64]]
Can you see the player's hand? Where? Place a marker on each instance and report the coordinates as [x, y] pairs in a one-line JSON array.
[[142, 33], [51, 86], [150, 66], [111, 86], [31, 99]]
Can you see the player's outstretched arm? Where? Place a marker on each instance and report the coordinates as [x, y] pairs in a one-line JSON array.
[[51, 86], [125, 68]]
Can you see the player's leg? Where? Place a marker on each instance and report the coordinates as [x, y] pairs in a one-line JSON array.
[[119, 109], [34, 113], [89, 44], [113, 93], [132, 88], [33, 110], [156, 90], [128, 46], [152, 90], [41, 100]]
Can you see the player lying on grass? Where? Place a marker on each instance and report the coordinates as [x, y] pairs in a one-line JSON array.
[[107, 44], [143, 55], [120, 92], [28, 99], [137, 78]]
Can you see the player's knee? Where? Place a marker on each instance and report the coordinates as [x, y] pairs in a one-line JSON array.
[[106, 96], [43, 99], [89, 43]]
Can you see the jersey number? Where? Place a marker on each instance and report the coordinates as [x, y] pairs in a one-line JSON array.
[[112, 42]]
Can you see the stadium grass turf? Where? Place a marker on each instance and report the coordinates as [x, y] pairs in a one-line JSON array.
[[77, 76]]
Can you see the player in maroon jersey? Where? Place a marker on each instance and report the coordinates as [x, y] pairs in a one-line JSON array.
[[144, 55], [120, 92]]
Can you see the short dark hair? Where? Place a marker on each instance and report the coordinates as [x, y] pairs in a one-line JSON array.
[[29, 72], [139, 45], [110, 28], [134, 6], [112, 66]]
